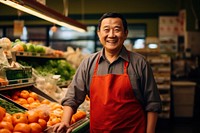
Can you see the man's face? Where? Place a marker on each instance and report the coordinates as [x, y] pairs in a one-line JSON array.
[[111, 34]]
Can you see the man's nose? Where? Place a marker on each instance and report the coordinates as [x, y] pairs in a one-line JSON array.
[[111, 33]]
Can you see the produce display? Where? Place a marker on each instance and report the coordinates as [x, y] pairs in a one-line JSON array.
[[41, 112], [31, 48], [10, 107], [52, 67], [36, 113]]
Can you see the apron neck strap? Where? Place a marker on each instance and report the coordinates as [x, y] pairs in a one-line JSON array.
[[125, 64]]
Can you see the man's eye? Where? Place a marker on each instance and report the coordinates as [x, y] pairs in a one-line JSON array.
[[106, 30], [117, 30]]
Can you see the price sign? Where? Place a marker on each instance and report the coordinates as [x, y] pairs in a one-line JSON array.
[[18, 27]]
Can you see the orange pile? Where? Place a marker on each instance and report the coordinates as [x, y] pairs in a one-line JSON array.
[[29, 122], [30, 100]]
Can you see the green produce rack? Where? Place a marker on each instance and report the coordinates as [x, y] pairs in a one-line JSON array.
[[83, 128]]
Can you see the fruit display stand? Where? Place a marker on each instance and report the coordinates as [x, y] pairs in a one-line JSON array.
[[21, 84], [79, 125]]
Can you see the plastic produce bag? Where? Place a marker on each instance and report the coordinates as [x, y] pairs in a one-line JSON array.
[[3, 59]]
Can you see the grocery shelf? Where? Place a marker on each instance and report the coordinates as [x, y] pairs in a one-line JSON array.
[[36, 55], [16, 86], [161, 67]]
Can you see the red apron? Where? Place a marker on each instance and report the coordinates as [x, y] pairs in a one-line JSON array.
[[114, 108]]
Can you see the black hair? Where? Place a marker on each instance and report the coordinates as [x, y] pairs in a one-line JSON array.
[[113, 15]]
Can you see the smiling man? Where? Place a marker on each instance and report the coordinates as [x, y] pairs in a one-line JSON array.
[[123, 94]]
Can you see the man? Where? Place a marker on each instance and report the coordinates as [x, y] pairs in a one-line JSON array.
[[123, 94]]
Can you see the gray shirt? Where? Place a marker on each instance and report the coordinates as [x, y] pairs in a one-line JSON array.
[[139, 71]]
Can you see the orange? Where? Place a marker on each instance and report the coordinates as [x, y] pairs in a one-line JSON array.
[[5, 131], [26, 105], [22, 127], [32, 116], [30, 100], [35, 128], [43, 115], [33, 95], [37, 101], [24, 94], [42, 123], [45, 101], [72, 120], [34, 105], [22, 101], [55, 120]]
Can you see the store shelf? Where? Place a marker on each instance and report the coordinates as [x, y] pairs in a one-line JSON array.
[[16, 86], [36, 55], [161, 66]]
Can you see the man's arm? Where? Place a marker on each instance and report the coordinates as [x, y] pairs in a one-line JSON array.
[[67, 115], [151, 122]]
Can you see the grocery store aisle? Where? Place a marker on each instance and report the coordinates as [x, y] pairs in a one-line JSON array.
[[178, 126]]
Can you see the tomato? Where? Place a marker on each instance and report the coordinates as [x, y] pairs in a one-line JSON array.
[[8, 118], [15, 95], [22, 127], [2, 113], [32, 116], [6, 125], [42, 123], [5, 131], [19, 118], [35, 128], [24, 94]]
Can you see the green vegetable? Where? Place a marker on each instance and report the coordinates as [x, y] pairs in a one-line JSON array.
[[10, 107]]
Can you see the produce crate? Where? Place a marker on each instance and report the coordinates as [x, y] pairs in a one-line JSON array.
[[10, 105], [18, 75]]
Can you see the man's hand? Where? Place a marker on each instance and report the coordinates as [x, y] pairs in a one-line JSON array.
[[62, 128]]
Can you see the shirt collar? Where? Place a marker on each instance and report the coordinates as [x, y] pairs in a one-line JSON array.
[[124, 54]]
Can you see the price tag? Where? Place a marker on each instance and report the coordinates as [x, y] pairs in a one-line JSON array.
[[18, 27]]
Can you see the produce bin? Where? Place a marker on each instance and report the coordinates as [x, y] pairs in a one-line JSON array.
[[16, 75]]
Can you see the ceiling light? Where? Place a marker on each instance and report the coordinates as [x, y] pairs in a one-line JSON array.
[[39, 10]]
